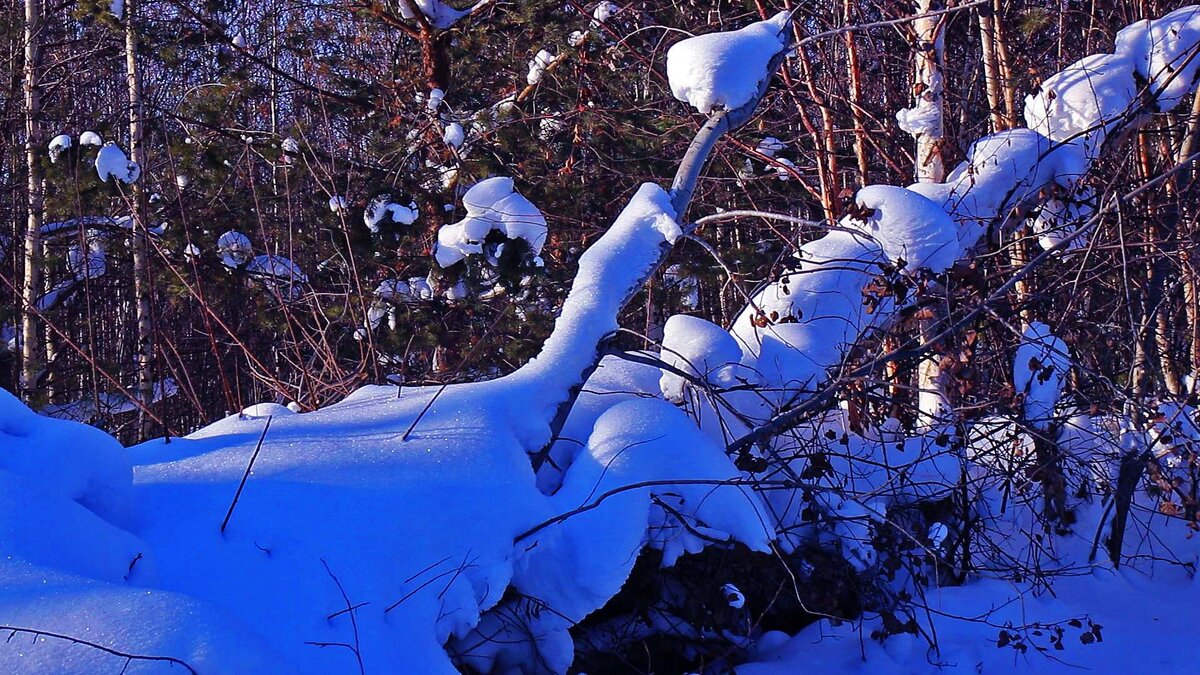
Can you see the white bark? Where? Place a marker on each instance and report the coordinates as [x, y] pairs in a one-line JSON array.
[[141, 284], [32, 285]]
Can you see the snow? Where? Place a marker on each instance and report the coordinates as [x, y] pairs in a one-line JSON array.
[[264, 410], [605, 11], [420, 288], [1091, 98], [90, 138], [65, 459], [1057, 221], [388, 291], [58, 145], [111, 162], [734, 596], [1083, 102], [234, 248], [438, 13], [726, 69], [239, 39], [117, 7], [909, 226], [479, 199], [609, 271], [291, 146], [783, 168], [395, 522], [1164, 52], [770, 145], [1139, 634], [1039, 371], [90, 263], [279, 274], [1004, 172], [702, 350], [798, 325], [491, 204], [436, 96], [538, 65], [382, 208], [453, 135], [573, 567], [923, 119], [337, 204]]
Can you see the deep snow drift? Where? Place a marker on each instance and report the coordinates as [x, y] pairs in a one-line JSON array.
[[374, 534]]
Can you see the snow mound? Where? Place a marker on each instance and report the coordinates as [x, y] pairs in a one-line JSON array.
[[727, 69], [1083, 102], [648, 476], [90, 138], [609, 271], [265, 410], [1004, 172], [798, 325], [64, 458], [1164, 52]]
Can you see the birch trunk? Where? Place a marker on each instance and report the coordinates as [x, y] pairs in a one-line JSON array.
[[141, 276], [32, 283], [929, 167]]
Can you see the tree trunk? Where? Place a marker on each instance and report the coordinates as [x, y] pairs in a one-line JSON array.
[[1008, 93], [32, 286], [141, 272], [991, 68], [856, 111], [929, 167]]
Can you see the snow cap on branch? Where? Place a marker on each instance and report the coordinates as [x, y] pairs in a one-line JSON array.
[[58, 145], [726, 69], [703, 350], [1039, 372], [491, 204], [909, 226], [111, 162]]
